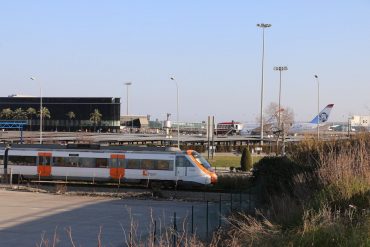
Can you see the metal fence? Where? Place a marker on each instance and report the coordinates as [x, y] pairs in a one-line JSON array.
[[200, 218], [206, 217]]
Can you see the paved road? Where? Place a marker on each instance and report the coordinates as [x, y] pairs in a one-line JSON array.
[[26, 218]]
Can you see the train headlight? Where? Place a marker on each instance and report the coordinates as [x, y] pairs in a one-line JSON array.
[[213, 178]]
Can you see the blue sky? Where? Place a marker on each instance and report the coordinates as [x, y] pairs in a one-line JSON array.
[[212, 47]]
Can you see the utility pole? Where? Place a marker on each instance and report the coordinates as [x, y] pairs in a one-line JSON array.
[[263, 26], [280, 69], [318, 108]]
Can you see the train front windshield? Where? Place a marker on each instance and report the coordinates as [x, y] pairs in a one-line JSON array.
[[202, 161]]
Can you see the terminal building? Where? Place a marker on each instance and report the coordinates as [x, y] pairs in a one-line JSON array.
[[359, 123], [60, 108]]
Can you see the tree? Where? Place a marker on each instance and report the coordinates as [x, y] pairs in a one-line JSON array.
[[71, 115], [271, 117], [30, 113], [19, 114], [6, 113], [246, 160], [95, 118], [45, 113]]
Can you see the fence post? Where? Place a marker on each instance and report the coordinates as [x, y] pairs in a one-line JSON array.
[[155, 232], [219, 213], [6, 163], [175, 230], [192, 219], [11, 177], [207, 221], [231, 202], [240, 201]]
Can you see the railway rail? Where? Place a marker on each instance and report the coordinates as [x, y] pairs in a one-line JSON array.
[[123, 191]]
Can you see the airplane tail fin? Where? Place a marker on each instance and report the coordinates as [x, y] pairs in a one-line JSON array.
[[323, 115]]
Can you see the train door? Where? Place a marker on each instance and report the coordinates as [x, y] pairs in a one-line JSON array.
[[117, 168], [44, 164], [182, 166]]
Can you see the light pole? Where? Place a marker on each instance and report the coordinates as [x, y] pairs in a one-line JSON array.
[[177, 112], [127, 84], [280, 69], [263, 26], [318, 107], [132, 121], [33, 79]]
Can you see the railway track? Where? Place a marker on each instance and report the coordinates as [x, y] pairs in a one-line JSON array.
[[124, 191]]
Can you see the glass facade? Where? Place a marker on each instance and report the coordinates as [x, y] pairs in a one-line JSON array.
[[58, 107]]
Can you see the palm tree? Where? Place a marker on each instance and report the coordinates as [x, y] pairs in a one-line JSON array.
[[6, 113], [30, 113], [19, 114], [95, 118], [45, 114], [71, 115]]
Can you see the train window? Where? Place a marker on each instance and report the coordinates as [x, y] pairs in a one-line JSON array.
[[101, 163], [148, 164], [120, 162], [164, 165], [133, 164], [79, 162], [201, 160], [58, 161], [71, 161], [44, 160], [182, 161], [22, 160], [87, 162], [117, 163]]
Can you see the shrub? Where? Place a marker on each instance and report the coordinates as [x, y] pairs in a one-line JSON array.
[[246, 160], [278, 176], [233, 182], [319, 195]]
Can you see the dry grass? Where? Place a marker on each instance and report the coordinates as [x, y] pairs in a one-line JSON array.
[[318, 196], [159, 235]]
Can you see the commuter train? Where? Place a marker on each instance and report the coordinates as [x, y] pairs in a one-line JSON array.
[[94, 163]]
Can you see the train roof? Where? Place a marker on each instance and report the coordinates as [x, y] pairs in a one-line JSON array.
[[92, 147], [230, 123]]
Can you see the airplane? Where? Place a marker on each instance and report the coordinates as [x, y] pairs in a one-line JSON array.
[[320, 119], [295, 128]]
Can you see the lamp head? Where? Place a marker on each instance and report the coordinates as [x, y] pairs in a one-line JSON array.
[[281, 68], [263, 25]]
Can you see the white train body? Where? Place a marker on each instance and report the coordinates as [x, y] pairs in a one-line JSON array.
[[119, 165]]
